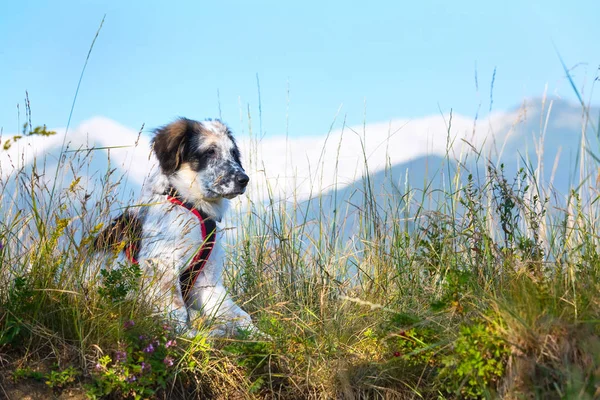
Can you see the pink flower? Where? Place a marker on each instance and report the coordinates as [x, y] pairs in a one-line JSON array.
[[171, 343], [128, 324], [168, 361]]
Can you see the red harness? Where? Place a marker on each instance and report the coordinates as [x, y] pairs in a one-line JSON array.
[[208, 227]]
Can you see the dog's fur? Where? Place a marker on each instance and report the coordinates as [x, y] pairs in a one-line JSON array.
[[199, 162]]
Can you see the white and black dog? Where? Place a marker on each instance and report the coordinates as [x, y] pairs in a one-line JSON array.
[[173, 234]]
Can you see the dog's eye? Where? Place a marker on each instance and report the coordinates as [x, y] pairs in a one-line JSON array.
[[210, 152]]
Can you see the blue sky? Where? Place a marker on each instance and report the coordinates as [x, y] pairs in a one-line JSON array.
[[378, 60]]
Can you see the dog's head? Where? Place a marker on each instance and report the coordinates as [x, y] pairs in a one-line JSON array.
[[201, 159]]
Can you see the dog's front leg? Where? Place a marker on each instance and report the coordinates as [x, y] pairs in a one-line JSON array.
[[210, 297]]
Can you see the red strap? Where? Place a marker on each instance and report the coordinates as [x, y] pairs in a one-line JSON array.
[[190, 274], [194, 211], [129, 253]]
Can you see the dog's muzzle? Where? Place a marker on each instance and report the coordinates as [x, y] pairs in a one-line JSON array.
[[241, 179]]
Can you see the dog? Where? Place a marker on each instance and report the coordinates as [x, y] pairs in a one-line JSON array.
[[173, 235]]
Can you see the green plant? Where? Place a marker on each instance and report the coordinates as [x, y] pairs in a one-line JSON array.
[[28, 373], [63, 378], [416, 346], [408, 338], [19, 303], [476, 361], [118, 282]]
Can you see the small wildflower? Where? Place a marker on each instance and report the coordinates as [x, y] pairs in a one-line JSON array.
[[142, 337], [121, 356], [397, 354], [149, 349], [145, 367], [131, 378], [166, 327], [98, 367], [171, 343], [128, 324], [168, 361], [1, 246]]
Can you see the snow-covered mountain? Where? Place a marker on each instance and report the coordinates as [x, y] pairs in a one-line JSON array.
[[552, 141]]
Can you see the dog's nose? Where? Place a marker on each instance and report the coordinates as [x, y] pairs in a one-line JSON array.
[[242, 179]]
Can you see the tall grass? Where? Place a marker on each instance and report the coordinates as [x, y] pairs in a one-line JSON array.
[[482, 285]]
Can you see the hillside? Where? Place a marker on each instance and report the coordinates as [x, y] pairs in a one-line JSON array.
[[458, 282]]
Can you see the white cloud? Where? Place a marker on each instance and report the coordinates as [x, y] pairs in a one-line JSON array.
[[126, 148], [305, 165], [291, 166]]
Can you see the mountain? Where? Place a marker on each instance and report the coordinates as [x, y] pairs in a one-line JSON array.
[[550, 135], [544, 138]]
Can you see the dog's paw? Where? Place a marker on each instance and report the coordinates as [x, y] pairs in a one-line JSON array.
[[189, 333], [235, 329], [219, 331], [251, 332]]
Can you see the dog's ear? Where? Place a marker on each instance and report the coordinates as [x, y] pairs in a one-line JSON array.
[[169, 144]]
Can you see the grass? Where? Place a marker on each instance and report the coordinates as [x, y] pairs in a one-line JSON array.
[[488, 287]]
